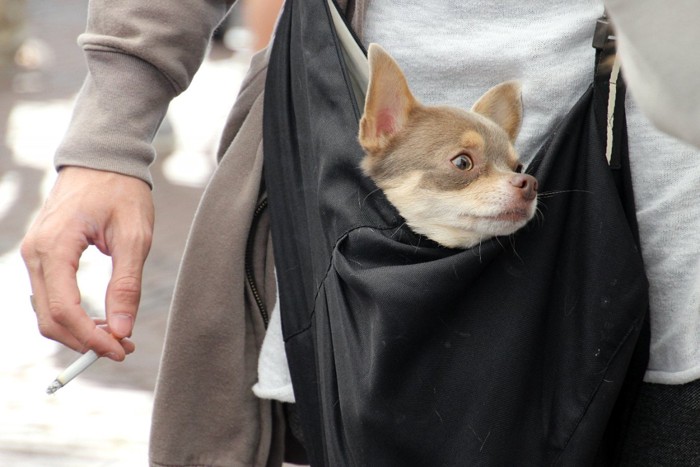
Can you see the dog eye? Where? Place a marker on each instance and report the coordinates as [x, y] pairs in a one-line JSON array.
[[519, 168], [463, 162]]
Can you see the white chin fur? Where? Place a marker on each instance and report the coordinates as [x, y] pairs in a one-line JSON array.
[[456, 236], [457, 224], [458, 219]]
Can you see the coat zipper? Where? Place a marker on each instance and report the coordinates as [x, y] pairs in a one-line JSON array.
[[250, 277]]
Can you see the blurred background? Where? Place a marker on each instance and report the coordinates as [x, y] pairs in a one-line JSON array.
[[101, 418]]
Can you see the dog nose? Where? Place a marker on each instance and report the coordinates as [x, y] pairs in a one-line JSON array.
[[527, 185]]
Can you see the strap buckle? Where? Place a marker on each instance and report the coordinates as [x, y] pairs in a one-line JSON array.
[[603, 33]]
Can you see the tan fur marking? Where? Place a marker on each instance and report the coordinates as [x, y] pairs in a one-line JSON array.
[[472, 139]]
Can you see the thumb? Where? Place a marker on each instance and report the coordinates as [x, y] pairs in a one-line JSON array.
[[124, 289]]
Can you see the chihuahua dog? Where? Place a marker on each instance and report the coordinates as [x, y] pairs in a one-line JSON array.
[[452, 174]]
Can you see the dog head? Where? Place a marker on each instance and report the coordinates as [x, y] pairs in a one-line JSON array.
[[452, 174]]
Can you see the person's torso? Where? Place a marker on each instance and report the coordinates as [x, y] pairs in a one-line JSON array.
[[453, 51]]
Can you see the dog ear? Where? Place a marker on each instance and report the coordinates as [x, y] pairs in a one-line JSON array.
[[503, 104], [388, 103]]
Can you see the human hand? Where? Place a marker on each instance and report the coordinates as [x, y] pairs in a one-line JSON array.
[[86, 207]]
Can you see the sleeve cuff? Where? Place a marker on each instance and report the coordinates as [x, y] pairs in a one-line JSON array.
[[117, 113]]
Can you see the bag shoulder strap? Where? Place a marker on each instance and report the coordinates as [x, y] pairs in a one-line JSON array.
[[610, 88], [354, 55]]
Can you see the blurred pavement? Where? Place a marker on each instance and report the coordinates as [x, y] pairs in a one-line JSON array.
[[101, 418]]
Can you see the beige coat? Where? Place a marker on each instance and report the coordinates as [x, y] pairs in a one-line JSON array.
[[215, 330], [205, 412]]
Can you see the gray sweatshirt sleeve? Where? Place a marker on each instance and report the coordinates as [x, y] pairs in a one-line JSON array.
[[140, 55]]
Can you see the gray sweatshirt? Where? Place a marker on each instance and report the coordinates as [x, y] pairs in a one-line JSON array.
[[547, 46]]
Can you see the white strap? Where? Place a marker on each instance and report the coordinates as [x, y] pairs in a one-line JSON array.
[[612, 97]]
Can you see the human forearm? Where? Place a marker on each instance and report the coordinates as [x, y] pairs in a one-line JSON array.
[[140, 55]]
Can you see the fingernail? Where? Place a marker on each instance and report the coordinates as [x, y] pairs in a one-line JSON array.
[[111, 356], [121, 325]]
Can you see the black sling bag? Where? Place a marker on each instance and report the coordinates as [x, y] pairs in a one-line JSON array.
[[402, 353]]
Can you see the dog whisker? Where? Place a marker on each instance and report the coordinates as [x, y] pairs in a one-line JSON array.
[[539, 216], [498, 239], [512, 245], [420, 237], [397, 230], [480, 243], [549, 194], [368, 195]]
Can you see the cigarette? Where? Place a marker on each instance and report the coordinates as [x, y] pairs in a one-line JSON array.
[[77, 367]]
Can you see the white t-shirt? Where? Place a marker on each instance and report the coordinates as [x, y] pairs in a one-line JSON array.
[[452, 51]]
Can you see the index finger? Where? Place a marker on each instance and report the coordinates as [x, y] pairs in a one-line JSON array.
[[60, 307]]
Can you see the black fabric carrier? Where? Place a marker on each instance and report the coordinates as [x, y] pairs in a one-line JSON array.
[[405, 353]]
